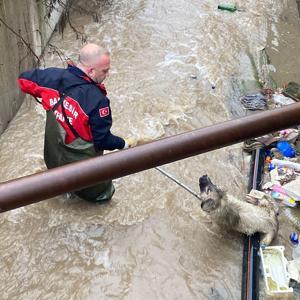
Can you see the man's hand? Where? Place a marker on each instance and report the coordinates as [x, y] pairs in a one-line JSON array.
[[130, 142]]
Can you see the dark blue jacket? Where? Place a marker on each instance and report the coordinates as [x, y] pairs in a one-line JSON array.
[[85, 104]]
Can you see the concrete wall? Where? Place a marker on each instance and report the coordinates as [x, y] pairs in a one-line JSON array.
[[28, 19]]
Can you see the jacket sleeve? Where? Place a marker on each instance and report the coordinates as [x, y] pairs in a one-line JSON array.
[[33, 82], [100, 120]]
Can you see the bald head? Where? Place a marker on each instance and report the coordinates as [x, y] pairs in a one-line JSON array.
[[90, 54], [94, 60]]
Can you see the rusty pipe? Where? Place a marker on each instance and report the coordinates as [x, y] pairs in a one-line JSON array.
[[34, 188]]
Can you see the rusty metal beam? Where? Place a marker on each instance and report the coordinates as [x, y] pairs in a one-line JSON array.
[[44, 185]]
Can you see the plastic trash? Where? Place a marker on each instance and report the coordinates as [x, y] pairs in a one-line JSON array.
[[274, 266], [257, 194], [275, 178], [293, 269], [271, 167], [287, 200], [282, 100], [294, 238], [286, 163], [286, 149], [255, 101], [228, 7], [292, 91], [284, 191]]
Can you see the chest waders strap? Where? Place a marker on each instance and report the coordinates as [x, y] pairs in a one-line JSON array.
[[60, 102], [37, 100]]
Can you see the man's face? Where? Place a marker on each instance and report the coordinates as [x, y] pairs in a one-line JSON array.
[[101, 70]]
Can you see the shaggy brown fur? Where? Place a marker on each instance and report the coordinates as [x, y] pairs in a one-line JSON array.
[[231, 213]]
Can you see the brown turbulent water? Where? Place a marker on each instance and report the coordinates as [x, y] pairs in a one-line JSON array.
[[152, 241]]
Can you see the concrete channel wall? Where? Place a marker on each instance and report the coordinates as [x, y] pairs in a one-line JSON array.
[[25, 27]]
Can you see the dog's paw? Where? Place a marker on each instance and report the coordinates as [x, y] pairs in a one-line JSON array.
[[266, 238]]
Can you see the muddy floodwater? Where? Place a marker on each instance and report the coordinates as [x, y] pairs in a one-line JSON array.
[[176, 66]]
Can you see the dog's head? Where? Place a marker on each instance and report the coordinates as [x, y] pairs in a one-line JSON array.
[[210, 194]]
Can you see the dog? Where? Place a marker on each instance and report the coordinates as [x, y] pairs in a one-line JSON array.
[[241, 216]]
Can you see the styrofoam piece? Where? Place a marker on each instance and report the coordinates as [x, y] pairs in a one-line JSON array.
[[274, 266]]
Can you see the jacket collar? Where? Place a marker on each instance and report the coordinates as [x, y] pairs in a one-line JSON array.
[[79, 73]]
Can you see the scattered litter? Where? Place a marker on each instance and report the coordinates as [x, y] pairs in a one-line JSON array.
[[294, 186], [285, 199], [257, 194], [282, 100], [286, 163], [267, 92], [279, 176], [267, 185], [292, 90], [274, 266], [227, 6], [271, 98], [294, 220], [293, 268], [281, 185], [256, 101], [286, 175], [294, 239], [287, 135], [285, 191], [274, 175], [286, 149]]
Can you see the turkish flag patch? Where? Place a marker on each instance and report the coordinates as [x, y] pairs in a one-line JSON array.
[[104, 111]]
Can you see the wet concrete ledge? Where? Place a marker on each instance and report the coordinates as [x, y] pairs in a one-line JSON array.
[[23, 23]]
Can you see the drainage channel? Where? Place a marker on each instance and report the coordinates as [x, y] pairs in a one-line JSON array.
[[250, 277]]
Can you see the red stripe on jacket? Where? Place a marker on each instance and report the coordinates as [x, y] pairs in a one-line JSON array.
[[76, 116]]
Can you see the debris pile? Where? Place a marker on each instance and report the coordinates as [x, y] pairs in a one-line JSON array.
[[281, 185], [268, 98]]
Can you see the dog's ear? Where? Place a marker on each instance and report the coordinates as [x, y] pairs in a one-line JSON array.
[[208, 205]]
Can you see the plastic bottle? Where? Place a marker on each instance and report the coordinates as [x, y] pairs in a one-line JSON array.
[[227, 6], [286, 163], [286, 149], [294, 238]]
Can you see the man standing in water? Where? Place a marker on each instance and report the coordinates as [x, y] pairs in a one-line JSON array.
[[78, 113]]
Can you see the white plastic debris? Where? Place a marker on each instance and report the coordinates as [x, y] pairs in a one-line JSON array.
[[274, 175], [274, 266], [282, 100], [293, 186], [293, 268], [286, 163]]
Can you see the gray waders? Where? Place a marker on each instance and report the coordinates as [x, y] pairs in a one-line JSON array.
[[56, 154]]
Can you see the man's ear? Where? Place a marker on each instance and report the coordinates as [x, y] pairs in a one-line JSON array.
[[90, 71], [208, 205]]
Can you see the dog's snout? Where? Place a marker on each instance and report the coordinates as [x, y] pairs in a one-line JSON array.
[[204, 183]]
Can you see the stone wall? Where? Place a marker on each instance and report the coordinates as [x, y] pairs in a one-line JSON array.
[[22, 22]]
